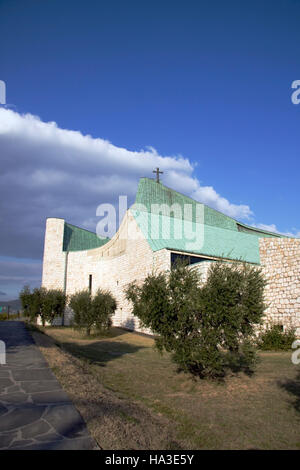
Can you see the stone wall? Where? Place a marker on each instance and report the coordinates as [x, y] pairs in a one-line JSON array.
[[54, 258], [125, 258], [280, 262], [128, 257]]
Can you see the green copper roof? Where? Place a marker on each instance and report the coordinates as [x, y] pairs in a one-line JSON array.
[[219, 235], [78, 239], [211, 241], [149, 192]]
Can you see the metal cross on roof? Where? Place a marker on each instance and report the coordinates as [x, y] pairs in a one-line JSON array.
[[157, 174]]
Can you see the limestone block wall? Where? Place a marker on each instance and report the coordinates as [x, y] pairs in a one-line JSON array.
[[54, 258], [126, 258], [280, 262]]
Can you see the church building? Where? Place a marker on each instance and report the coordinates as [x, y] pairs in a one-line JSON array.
[[159, 227]]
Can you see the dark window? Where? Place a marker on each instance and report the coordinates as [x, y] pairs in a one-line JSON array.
[[189, 258], [90, 282]]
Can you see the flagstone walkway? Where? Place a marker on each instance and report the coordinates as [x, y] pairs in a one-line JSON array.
[[35, 412]]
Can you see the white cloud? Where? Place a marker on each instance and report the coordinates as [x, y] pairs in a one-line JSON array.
[[51, 172], [48, 171], [212, 198]]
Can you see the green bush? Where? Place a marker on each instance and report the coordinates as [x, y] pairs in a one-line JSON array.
[[275, 338], [81, 304], [53, 304], [36, 304], [92, 312], [26, 299], [32, 302], [43, 303], [208, 327], [103, 306]]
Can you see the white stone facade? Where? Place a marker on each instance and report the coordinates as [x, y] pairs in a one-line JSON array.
[[128, 257], [125, 258]]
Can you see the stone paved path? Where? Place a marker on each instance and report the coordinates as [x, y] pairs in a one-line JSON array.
[[35, 413]]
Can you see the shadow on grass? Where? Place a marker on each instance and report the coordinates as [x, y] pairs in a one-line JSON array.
[[100, 352], [239, 363], [293, 388], [113, 332], [231, 364], [97, 352]]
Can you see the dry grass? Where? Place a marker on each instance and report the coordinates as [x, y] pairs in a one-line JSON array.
[[133, 398], [114, 422]]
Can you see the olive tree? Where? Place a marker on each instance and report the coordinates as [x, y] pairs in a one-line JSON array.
[[103, 307], [207, 327], [26, 298], [92, 312], [43, 303], [54, 303], [81, 304]]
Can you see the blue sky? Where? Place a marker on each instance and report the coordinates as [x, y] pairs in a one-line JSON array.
[[207, 82]]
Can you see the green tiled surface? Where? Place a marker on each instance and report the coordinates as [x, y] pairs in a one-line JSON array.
[[149, 192], [78, 239], [222, 236], [213, 241]]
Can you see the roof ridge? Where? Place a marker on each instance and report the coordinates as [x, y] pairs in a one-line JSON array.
[[189, 197], [86, 230], [237, 222]]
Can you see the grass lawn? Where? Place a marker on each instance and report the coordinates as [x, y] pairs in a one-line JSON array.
[[133, 398]]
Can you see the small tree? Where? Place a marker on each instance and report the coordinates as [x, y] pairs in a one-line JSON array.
[[204, 327], [26, 299], [274, 338], [54, 303], [43, 303], [32, 302], [103, 307], [92, 312], [81, 304], [37, 304]]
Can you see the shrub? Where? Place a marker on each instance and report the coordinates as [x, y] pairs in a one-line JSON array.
[[46, 303], [37, 304], [53, 304], [81, 304], [32, 302], [206, 328], [276, 339], [91, 311], [26, 298], [103, 307]]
